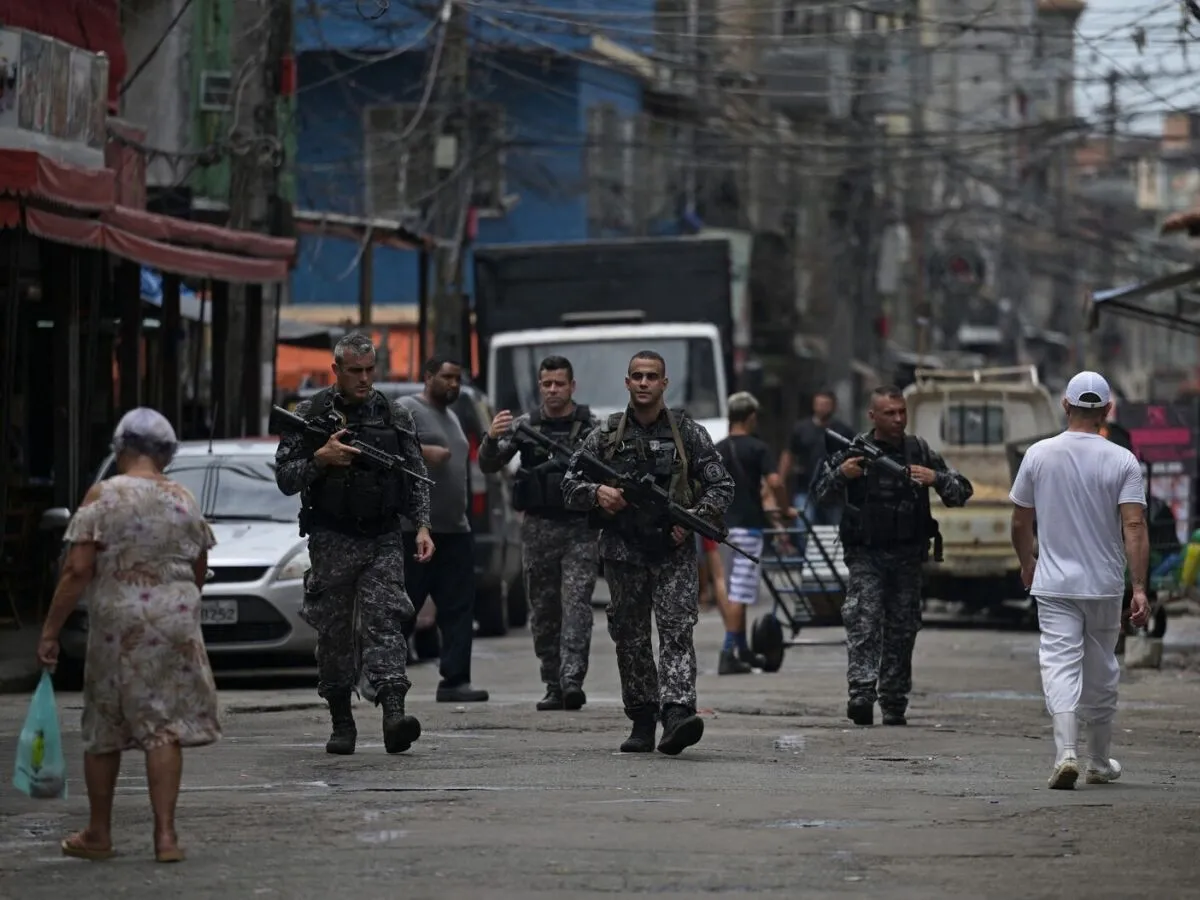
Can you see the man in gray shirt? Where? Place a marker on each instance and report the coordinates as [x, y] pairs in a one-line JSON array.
[[449, 577]]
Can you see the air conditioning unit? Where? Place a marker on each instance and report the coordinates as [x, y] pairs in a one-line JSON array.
[[216, 91]]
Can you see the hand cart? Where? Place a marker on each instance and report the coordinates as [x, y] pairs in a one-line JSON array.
[[807, 587]]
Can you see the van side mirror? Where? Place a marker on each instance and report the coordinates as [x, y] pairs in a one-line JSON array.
[[56, 519]]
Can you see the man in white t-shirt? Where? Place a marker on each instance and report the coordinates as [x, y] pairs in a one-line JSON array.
[[1087, 496]]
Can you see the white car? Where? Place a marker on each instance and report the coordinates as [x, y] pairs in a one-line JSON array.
[[251, 603]]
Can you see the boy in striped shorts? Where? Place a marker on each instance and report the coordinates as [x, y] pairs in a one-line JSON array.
[[752, 464]]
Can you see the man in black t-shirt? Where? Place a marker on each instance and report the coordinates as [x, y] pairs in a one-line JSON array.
[[752, 465], [807, 449]]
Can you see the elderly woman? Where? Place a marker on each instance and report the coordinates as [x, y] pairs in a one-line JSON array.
[[139, 545]]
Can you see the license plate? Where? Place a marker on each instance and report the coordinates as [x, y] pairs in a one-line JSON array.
[[219, 612]]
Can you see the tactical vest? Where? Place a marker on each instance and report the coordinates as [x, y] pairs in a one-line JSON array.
[[884, 511], [661, 454], [358, 499], [537, 488]]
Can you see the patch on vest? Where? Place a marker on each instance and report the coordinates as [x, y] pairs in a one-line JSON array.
[[714, 473]]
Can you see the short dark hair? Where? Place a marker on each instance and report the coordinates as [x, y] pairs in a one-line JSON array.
[[434, 364], [825, 392], [647, 354], [889, 391], [557, 364]]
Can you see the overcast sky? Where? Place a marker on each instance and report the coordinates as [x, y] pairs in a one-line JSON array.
[[1169, 78]]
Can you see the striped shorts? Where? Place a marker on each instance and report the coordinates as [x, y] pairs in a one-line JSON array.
[[742, 582]]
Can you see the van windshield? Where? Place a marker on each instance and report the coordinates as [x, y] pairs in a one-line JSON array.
[[600, 368]]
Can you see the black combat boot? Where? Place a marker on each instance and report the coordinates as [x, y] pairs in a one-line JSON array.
[[345, 734], [730, 664], [860, 712], [641, 737], [893, 715], [399, 730], [681, 729], [573, 697], [553, 698]]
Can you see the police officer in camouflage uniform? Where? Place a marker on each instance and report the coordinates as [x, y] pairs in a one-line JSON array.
[[559, 548], [650, 566], [886, 531], [354, 593]]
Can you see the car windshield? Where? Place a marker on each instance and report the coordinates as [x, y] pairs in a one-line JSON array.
[[599, 373], [235, 488]]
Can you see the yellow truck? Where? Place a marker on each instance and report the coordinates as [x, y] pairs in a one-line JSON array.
[[970, 416]]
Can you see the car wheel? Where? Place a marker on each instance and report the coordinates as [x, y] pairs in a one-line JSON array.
[[490, 611], [518, 603], [427, 643]]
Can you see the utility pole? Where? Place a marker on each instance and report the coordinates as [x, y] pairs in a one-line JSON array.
[[916, 200], [452, 203], [261, 32], [1108, 263]]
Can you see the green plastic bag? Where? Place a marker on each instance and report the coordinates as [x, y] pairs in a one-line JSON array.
[[41, 769]]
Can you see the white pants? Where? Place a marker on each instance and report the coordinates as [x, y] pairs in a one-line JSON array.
[[1080, 672]]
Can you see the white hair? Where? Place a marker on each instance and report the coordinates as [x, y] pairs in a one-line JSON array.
[[147, 432], [741, 405]]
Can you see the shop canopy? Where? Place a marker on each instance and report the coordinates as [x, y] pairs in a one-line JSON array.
[[76, 206], [1182, 312]]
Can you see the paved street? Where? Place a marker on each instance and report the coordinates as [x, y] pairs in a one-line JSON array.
[[781, 797]]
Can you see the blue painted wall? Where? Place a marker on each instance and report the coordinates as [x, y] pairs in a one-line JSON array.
[[322, 25], [545, 100]]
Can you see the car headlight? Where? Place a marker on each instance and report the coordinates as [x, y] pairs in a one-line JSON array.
[[294, 567]]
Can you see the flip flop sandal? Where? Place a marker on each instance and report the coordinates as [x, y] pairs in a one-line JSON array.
[[78, 851], [169, 856]]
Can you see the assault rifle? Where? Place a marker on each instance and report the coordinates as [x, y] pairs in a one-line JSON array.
[[324, 427], [640, 492], [872, 454]]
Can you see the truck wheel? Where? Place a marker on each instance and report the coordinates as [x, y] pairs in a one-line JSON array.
[[490, 611], [518, 603]]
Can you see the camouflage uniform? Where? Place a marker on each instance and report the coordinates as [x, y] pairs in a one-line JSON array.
[[354, 596], [882, 609], [560, 561], [647, 577]]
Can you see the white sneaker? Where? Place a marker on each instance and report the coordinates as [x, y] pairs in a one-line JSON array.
[[1066, 770], [1102, 773], [1066, 773]]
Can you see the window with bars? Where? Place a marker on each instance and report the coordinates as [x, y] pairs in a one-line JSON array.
[[639, 171], [400, 172], [973, 424]]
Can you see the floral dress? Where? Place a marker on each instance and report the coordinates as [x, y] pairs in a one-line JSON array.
[[147, 680]]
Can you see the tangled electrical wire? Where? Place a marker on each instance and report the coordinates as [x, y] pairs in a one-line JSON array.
[[381, 6]]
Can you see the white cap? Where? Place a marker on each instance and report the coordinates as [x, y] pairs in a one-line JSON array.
[[1088, 390]]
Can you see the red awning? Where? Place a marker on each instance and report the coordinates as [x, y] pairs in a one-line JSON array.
[[93, 25], [10, 213], [199, 234], [97, 234], [222, 254], [26, 173]]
